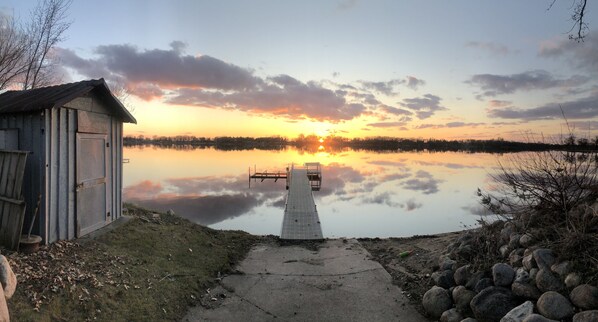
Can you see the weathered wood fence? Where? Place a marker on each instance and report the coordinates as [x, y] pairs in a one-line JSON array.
[[12, 205]]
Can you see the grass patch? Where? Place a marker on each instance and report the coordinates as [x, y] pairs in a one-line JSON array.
[[152, 268]]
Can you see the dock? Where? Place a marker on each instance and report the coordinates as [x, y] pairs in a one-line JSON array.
[[300, 221]]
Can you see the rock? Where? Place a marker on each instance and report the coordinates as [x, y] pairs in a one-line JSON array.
[[482, 284], [456, 291], [554, 306], [170, 212], [529, 251], [448, 264], [4, 316], [493, 303], [443, 279], [519, 313], [562, 268], [502, 274], [469, 320], [473, 280], [514, 240], [462, 297], [515, 260], [504, 250], [572, 280], [451, 315], [462, 274], [464, 251], [521, 276], [586, 316], [537, 318], [8, 279], [528, 262], [547, 281], [532, 275], [436, 300], [526, 240], [544, 258], [585, 296], [526, 291], [506, 231]]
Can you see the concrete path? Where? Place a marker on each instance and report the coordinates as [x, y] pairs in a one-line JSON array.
[[291, 283]]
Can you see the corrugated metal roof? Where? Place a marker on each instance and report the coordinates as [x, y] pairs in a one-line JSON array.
[[56, 96]]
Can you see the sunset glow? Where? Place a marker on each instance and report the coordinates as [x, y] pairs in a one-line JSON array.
[[347, 68]]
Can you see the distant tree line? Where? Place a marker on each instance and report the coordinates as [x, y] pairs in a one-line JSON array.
[[313, 143]]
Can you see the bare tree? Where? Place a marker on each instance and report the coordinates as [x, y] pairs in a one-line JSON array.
[[46, 29], [12, 51], [580, 29]]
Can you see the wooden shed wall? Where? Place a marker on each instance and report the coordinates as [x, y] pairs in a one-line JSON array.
[[50, 136]]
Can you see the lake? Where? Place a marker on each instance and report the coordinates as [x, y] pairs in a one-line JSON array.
[[364, 193]]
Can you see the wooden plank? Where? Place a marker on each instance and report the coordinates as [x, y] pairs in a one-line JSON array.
[[52, 214], [62, 183], [72, 129], [44, 219], [11, 176], [20, 172], [4, 177], [12, 210]]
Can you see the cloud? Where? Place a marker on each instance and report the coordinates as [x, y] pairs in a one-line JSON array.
[[411, 204], [455, 124], [400, 125], [390, 87], [583, 108], [499, 103], [384, 198], [281, 95], [494, 85], [394, 110], [414, 82], [477, 210], [582, 55], [423, 182], [491, 47], [425, 106]]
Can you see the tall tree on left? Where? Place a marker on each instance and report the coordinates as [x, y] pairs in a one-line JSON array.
[[26, 48]]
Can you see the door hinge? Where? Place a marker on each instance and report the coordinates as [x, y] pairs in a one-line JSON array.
[[107, 144]]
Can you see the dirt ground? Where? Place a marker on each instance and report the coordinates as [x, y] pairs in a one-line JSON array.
[[410, 273]]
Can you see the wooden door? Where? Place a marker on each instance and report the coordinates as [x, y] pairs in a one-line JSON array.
[[91, 189]]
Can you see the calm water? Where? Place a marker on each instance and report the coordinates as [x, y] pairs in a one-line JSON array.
[[364, 194]]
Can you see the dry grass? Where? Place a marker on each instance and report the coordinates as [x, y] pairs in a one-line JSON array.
[[152, 268]]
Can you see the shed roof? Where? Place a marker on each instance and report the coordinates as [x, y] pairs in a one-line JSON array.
[[56, 96]]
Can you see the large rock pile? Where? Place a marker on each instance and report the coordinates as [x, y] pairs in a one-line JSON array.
[[530, 279]]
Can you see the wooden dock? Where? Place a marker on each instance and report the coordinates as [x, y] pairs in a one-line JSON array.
[[301, 219]]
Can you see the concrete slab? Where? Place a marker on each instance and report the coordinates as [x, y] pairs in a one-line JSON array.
[[338, 282]]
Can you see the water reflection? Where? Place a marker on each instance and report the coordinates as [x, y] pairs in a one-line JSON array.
[[363, 193]]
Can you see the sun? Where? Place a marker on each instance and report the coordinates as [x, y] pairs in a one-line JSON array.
[[321, 140]]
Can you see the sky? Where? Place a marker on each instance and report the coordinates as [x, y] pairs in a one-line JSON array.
[[412, 69]]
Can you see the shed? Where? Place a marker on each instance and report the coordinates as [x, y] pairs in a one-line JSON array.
[[73, 133]]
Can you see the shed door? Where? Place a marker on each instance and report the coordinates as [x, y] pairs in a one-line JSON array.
[[91, 182]]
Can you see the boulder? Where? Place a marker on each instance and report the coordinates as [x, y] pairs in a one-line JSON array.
[[451, 315], [544, 258], [514, 240], [528, 262], [586, 316], [493, 303], [464, 251], [448, 264], [482, 284], [532, 275], [521, 276], [502, 274], [548, 281], [504, 250], [437, 300], [526, 291], [462, 274], [519, 313], [7, 278], [526, 240], [554, 306], [515, 260], [572, 280], [469, 320], [462, 297], [506, 231], [444, 278], [473, 280], [537, 318], [562, 269], [585, 296], [4, 316]]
